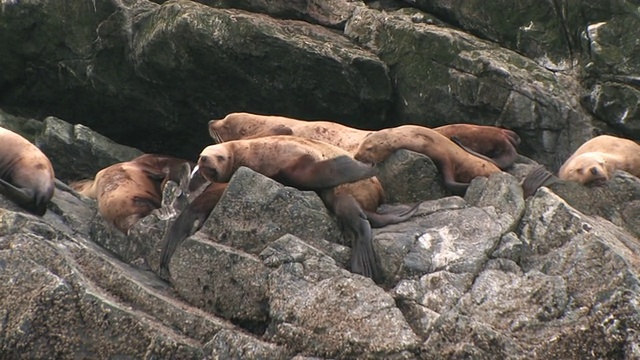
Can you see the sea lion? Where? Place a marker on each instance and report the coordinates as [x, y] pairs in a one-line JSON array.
[[493, 142], [595, 160], [458, 167], [26, 174], [236, 126], [496, 143], [346, 186], [198, 210], [128, 191]]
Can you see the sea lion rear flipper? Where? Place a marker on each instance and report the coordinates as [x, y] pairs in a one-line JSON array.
[[24, 198], [392, 215], [472, 152], [536, 178], [188, 222], [506, 159], [308, 174], [513, 137]]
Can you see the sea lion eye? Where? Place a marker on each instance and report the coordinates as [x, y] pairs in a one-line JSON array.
[[220, 158]]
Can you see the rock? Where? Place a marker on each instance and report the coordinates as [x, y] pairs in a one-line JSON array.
[[500, 192], [332, 13], [88, 151], [489, 276], [230, 344], [442, 75], [617, 201], [423, 180], [265, 64], [281, 210], [318, 308], [536, 29], [51, 309], [455, 238]]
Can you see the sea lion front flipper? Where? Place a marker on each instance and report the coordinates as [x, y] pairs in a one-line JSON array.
[[392, 215], [188, 222], [536, 178], [24, 198], [364, 260], [277, 130], [306, 173]]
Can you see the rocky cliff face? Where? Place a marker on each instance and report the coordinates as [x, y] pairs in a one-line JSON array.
[[488, 276], [557, 73]]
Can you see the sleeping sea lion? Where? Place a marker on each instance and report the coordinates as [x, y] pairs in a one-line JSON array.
[[128, 191], [496, 143], [346, 186], [26, 174], [493, 142], [236, 126], [458, 167], [595, 160]]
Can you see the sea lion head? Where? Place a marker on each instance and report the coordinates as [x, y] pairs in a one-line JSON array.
[[375, 148], [234, 127], [216, 163], [587, 168]]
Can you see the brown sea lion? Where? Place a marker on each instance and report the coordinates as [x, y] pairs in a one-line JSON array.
[[493, 142], [595, 160], [128, 191], [458, 167], [236, 126], [347, 187], [26, 174], [496, 143], [198, 210]]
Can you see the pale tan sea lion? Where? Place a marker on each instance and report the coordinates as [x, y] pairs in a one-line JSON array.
[[26, 174], [595, 160]]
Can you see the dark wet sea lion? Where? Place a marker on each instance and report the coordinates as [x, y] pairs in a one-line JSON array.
[[26, 174], [496, 143]]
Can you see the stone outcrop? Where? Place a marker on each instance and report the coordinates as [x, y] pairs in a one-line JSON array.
[[557, 73], [489, 275]]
